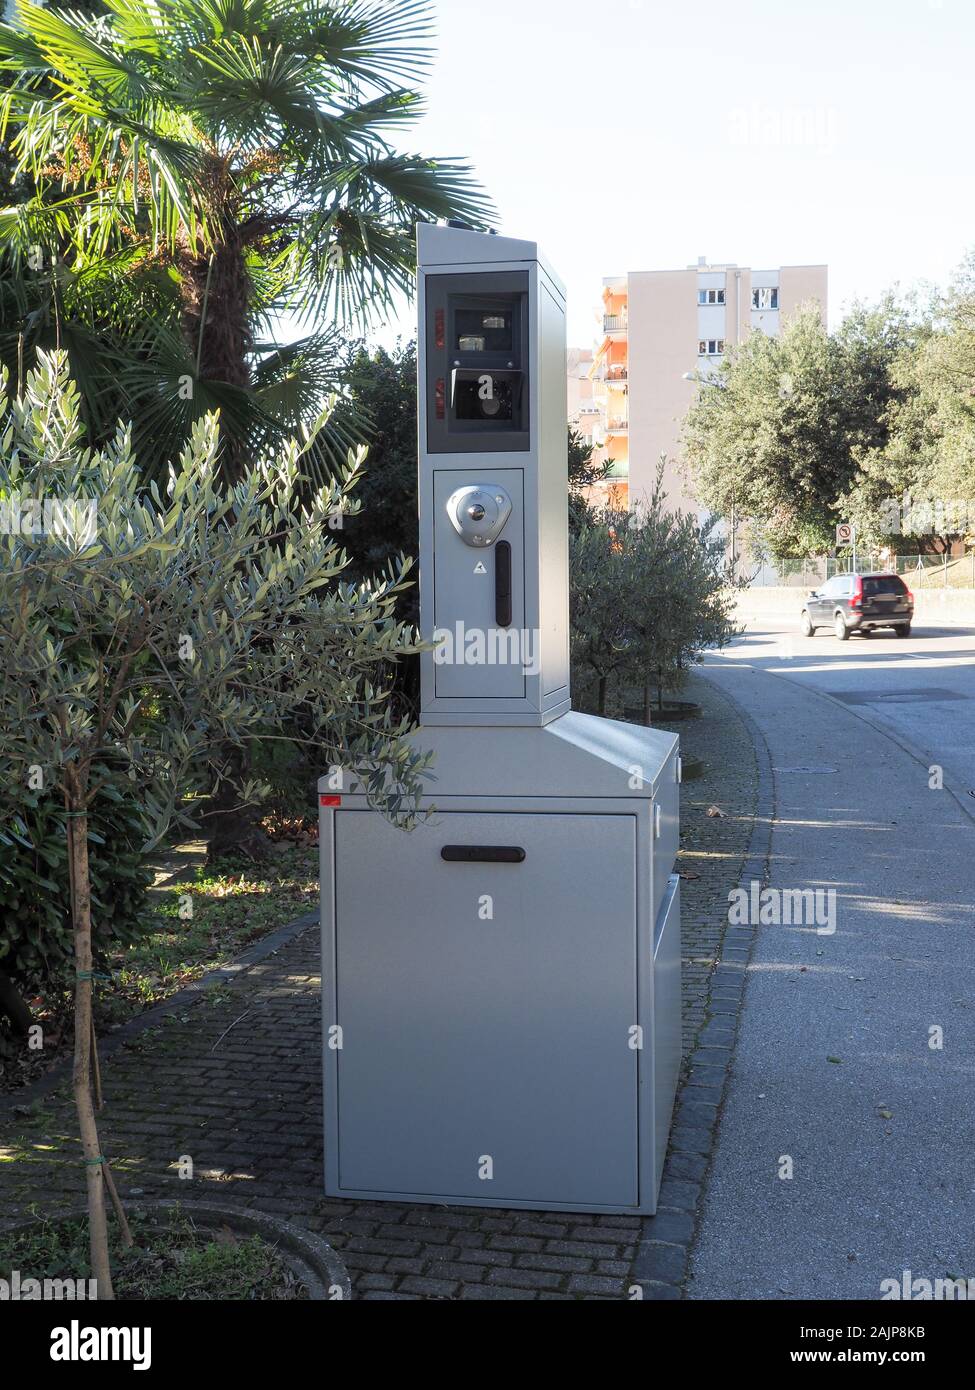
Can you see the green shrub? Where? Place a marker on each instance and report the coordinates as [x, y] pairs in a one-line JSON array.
[[598, 599], [36, 946], [649, 595]]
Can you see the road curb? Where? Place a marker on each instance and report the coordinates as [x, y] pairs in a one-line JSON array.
[[663, 1256]]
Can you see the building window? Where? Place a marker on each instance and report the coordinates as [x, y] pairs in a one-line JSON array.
[[765, 299], [710, 347], [710, 296]]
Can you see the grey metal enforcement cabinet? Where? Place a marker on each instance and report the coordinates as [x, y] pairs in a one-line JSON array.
[[501, 999], [501, 985]]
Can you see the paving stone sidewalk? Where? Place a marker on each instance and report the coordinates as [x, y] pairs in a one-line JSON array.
[[233, 1084]]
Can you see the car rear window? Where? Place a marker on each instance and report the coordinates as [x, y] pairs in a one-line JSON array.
[[886, 584]]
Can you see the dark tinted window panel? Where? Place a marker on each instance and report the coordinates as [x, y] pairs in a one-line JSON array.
[[478, 373], [483, 330], [488, 396], [887, 584]]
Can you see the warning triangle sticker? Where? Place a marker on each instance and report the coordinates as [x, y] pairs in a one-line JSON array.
[[479, 568]]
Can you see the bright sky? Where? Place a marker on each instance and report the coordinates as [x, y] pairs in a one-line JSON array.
[[638, 135]]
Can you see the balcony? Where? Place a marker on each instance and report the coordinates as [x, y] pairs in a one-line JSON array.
[[617, 469], [614, 323], [617, 426], [611, 376]]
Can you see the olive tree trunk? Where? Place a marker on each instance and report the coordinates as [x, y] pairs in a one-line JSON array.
[[81, 1074]]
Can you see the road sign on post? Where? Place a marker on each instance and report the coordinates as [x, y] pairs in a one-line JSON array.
[[846, 535]]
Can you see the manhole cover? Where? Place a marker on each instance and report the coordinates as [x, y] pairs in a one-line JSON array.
[[896, 697]]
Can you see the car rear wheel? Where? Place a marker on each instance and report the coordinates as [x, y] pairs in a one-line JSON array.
[[807, 627], [904, 630], [841, 629]]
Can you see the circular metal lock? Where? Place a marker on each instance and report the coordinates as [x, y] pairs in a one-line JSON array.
[[479, 513]]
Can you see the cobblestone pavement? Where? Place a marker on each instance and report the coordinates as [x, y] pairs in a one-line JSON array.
[[234, 1084]]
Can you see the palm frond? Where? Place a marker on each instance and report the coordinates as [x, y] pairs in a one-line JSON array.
[[80, 60], [159, 138], [359, 255], [294, 383], [257, 94], [379, 42]]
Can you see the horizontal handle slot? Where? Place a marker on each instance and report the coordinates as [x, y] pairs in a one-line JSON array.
[[483, 854]]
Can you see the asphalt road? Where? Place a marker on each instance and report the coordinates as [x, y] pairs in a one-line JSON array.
[[922, 689], [845, 1151]]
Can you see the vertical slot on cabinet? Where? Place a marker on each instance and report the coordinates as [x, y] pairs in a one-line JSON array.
[[502, 584]]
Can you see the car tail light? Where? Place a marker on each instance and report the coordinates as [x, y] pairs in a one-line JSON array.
[[910, 598], [858, 593]]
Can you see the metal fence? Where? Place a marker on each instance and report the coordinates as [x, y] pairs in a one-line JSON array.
[[920, 571]]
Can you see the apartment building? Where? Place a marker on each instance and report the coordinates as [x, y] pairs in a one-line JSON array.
[[664, 332], [584, 414]]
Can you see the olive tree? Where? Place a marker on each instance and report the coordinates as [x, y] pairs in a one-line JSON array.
[[144, 633], [649, 594], [597, 617], [678, 599]]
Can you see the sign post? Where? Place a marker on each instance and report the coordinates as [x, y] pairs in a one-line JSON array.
[[846, 535]]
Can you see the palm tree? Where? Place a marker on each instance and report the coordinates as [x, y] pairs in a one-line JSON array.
[[199, 170]]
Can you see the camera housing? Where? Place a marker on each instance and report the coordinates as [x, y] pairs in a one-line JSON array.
[[492, 425], [508, 1037], [478, 348]]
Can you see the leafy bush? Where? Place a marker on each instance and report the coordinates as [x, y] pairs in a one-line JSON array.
[[386, 525], [648, 596], [189, 624], [597, 616], [382, 388], [36, 945]]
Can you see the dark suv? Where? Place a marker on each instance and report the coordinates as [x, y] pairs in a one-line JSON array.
[[859, 603]]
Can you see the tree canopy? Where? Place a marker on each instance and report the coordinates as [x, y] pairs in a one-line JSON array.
[[195, 173], [780, 434]]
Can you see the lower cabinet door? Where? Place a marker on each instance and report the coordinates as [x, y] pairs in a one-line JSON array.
[[487, 1008]]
